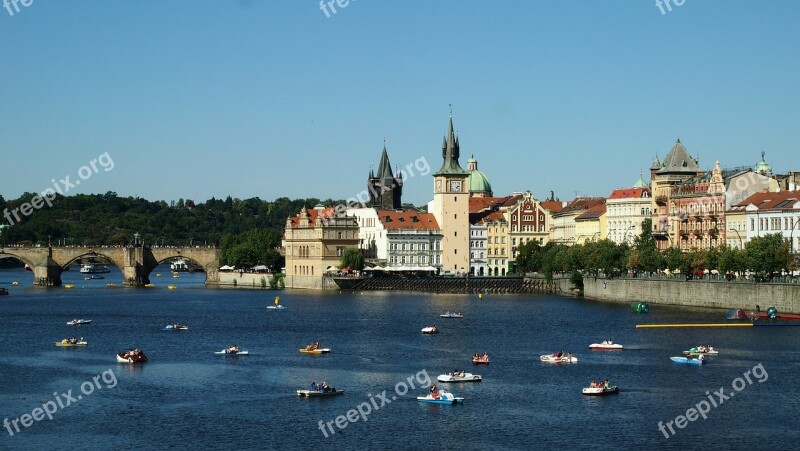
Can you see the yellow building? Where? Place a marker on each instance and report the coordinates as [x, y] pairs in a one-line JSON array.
[[314, 241], [591, 225], [497, 244]]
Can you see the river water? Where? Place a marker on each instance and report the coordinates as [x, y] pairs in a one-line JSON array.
[[186, 396]]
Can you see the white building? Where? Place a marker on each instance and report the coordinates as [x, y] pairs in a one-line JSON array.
[[772, 212], [626, 209], [395, 238]]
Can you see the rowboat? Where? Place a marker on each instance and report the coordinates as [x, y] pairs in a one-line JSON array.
[[319, 393], [430, 330], [79, 322], [131, 356], [71, 343], [606, 345], [688, 360], [600, 391], [553, 358], [315, 351], [459, 377], [442, 397]]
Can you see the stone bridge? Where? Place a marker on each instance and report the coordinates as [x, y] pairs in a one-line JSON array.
[[135, 262]]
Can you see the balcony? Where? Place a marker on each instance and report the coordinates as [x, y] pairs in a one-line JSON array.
[[684, 234], [697, 232], [660, 235], [661, 200], [713, 232]]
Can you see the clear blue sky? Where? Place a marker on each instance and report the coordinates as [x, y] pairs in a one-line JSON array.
[[272, 98]]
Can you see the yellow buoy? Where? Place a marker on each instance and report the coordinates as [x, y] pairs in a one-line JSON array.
[[171, 287], [16, 282], [158, 275], [480, 295]]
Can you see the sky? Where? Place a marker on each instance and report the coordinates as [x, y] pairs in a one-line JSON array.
[[270, 98]]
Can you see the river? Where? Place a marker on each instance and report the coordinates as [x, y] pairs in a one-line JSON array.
[[186, 396]]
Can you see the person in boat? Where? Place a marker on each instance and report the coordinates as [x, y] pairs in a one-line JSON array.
[[605, 384], [313, 386], [701, 357], [475, 356], [560, 354]]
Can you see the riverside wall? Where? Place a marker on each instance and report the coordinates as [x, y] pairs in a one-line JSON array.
[[695, 293]]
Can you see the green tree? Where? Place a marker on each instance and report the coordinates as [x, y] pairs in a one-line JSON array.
[[768, 254], [352, 258]]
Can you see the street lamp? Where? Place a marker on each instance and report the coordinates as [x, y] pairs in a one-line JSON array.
[[741, 243]]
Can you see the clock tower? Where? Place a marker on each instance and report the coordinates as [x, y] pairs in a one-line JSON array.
[[450, 205]]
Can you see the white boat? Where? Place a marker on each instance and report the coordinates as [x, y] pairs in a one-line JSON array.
[[459, 377], [91, 268], [430, 330], [606, 345], [176, 326], [319, 393], [276, 307], [553, 358], [131, 356], [232, 350], [600, 391], [78, 322], [452, 315], [441, 397]]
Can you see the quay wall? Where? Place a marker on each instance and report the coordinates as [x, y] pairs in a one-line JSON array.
[[696, 293]]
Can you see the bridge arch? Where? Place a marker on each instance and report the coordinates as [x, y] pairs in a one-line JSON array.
[[92, 254]]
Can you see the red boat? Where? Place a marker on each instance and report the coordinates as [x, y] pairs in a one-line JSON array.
[[482, 359]]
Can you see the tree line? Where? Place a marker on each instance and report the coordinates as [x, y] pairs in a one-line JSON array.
[[765, 255], [248, 230]]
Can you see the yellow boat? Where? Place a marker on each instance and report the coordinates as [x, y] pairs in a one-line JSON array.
[[150, 285], [171, 287], [65, 343], [16, 282], [111, 285], [69, 285], [315, 351]]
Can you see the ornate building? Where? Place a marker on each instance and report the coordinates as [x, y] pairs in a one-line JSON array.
[[314, 241], [450, 205], [385, 190], [689, 204]]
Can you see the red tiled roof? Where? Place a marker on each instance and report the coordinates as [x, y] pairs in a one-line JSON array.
[[407, 219], [593, 213], [553, 205], [782, 200], [627, 193]]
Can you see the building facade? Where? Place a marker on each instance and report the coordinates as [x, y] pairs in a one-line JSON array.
[[626, 210], [314, 241]]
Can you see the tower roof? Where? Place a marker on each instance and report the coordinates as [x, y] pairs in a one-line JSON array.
[[384, 167], [450, 153], [763, 167], [641, 183], [678, 161], [477, 181]]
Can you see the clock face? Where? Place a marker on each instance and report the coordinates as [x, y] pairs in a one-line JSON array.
[[455, 186], [438, 186]]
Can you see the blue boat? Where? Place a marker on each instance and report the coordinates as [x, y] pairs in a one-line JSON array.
[[687, 360]]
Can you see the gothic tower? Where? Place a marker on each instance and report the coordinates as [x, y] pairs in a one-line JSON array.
[[385, 190]]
